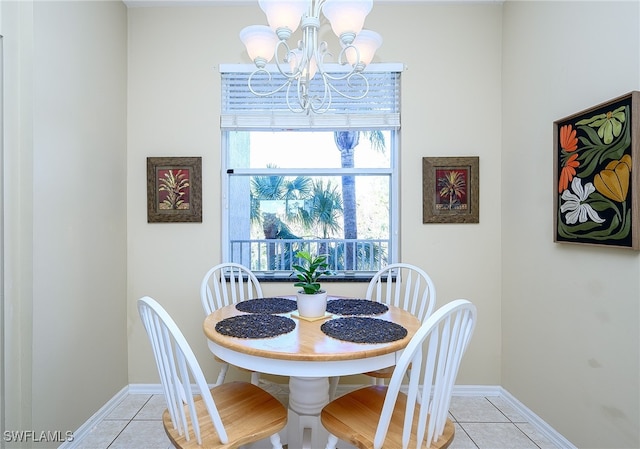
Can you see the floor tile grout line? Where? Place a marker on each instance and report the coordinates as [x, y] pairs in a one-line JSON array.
[[527, 435], [499, 410], [119, 433], [141, 407], [490, 422], [129, 421], [498, 422], [488, 398], [468, 436], [121, 430]]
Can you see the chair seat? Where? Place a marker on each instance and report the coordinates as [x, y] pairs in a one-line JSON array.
[[248, 413], [358, 428]]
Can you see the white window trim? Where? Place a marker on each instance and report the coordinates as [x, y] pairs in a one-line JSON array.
[[265, 120]]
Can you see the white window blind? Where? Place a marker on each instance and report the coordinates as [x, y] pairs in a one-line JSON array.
[[241, 109]]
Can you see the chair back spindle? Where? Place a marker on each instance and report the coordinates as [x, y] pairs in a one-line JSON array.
[[228, 283], [179, 371], [406, 286]]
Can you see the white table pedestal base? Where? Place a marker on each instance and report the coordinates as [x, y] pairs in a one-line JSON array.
[[307, 396]]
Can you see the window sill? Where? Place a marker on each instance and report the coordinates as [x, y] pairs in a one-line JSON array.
[[287, 277]]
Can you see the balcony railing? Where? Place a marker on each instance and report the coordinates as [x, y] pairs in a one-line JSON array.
[[273, 255]]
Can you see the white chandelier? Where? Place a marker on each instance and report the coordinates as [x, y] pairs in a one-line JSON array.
[[301, 64]]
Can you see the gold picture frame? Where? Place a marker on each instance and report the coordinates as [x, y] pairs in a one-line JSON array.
[[450, 189], [174, 190]]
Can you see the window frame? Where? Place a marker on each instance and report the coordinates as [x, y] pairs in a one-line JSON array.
[[276, 125]]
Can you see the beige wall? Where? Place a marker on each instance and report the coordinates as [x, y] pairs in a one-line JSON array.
[[558, 324], [17, 21], [65, 166], [451, 107], [570, 313]]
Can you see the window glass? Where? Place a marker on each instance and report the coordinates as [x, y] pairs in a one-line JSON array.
[[325, 192]]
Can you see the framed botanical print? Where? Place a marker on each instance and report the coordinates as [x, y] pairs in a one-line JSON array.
[[596, 165], [174, 189], [450, 190]]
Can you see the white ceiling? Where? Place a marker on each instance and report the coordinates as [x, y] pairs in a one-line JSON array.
[[149, 3]]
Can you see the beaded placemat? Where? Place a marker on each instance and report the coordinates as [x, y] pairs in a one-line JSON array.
[[255, 325], [355, 307], [267, 305], [358, 329]]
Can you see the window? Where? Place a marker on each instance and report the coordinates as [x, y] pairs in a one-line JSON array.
[[325, 183]]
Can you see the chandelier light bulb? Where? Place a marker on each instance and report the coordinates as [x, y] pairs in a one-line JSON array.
[[346, 17], [367, 42], [284, 16], [260, 41]]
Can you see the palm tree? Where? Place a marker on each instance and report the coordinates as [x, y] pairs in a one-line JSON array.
[[452, 187], [320, 213], [346, 141], [277, 188], [326, 208]]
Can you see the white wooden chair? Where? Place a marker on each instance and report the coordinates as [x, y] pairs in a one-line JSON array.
[[406, 286], [228, 283], [401, 285], [227, 416], [382, 416], [225, 284]]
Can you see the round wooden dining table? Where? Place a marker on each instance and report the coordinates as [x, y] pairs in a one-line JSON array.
[[309, 358]]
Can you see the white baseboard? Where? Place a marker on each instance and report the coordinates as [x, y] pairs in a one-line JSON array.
[[477, 390], [458, 390], [145, 389], [98, 416], [533, 419]]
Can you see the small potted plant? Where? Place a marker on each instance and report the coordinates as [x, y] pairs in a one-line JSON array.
[[312, 299]]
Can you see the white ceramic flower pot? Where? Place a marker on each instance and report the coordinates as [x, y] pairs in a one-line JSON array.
[[312, 306]]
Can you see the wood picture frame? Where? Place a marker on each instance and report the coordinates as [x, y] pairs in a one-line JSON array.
[[595, 164], [174, 190], [450, 189]]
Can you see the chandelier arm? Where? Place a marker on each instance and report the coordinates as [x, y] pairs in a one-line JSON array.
[[286, 83], [289, 54], [362, 79], [343, 76], [299, 106], [358, 66], [325, 103], [320, 103], [355, 68], [316, 7]]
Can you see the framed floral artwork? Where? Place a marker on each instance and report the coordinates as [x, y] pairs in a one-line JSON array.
[[596, 165], [174, 189], [450, 190]]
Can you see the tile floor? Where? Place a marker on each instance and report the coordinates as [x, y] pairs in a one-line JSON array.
[[481, 423]]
